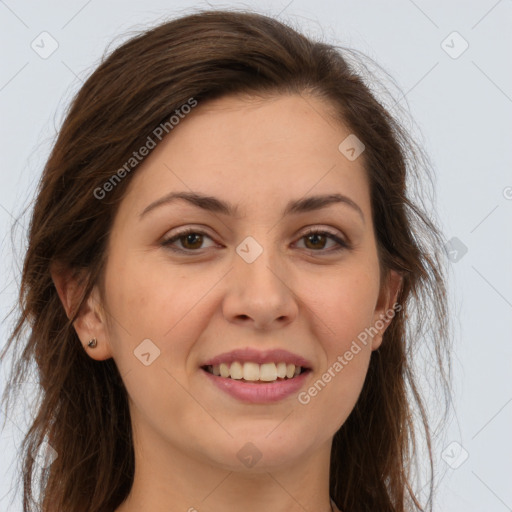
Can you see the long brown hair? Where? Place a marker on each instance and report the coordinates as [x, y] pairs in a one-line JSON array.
[[83, 410]]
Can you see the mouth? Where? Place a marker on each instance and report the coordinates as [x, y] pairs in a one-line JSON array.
[[254, 373]]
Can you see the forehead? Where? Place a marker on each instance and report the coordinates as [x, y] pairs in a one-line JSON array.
[[252, 150]]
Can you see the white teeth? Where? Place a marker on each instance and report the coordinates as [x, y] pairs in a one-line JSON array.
[[224, 370], [251, 371], [267, 372], [281, 370], [236, 371]]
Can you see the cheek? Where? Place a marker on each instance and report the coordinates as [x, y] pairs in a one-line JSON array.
[[156, 302], [347, 305], [148, 303], [344, 311]]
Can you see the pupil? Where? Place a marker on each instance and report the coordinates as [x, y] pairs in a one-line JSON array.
[[190, 237], [314, 236]]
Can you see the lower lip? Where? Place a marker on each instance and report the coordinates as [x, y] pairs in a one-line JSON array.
[[258, 393]]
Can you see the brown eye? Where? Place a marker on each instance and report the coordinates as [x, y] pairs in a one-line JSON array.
[[316, 241], [194, 239], [190, 240]]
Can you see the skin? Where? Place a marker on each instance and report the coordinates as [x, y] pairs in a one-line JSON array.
[[298, 295]]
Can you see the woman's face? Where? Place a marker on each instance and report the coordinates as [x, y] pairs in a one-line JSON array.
[[250, 278]]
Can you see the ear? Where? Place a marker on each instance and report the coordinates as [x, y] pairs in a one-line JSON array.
[[384, 310], [90, 321]]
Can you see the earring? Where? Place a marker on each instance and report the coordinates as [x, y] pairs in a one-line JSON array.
[[93, 343]]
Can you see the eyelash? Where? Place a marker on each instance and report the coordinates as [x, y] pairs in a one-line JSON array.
[[342, 244]]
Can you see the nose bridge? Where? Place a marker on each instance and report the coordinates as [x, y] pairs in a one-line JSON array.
[[257, 261], [258, 289]]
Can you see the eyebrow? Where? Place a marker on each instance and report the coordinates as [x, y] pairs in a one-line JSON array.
[[213, 204]]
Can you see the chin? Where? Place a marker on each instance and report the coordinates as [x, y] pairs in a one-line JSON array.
[[258, 453]]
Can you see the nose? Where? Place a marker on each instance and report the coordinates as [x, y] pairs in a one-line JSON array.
[[260, 294]]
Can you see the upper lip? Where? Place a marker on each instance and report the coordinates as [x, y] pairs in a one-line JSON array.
[[246, 355]]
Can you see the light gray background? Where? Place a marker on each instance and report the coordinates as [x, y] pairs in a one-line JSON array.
[[463, 108]]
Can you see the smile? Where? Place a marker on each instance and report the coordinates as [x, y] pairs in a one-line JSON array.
[[254, 372]]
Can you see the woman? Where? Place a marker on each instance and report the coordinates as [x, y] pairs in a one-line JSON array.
[[225, 282]]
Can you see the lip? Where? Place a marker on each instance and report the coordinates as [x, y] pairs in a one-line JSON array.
[[258, 393], [246, 355]]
